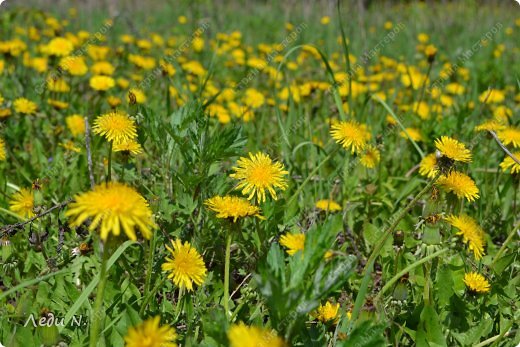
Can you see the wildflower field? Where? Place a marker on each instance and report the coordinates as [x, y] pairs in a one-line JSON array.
[[253, 174]]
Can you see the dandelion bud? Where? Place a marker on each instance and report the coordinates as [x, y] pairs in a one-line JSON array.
[[132, 99], [398, 238], [430, 52]]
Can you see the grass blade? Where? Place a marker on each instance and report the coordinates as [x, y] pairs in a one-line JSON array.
[[385, 105], [92, 285]]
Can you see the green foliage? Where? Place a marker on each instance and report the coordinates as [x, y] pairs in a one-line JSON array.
[[386, 259], [295, 288]]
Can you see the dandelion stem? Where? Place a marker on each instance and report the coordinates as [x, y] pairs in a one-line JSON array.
[[504, 245], [259, 234], [360, 299], [300, 188], [515, 193], [407, 269], [151, 294], [398, 120], [505, 333], [423, 88], [109, 173], [98, 304], [226, 273], [151, 253], [179, 303], [89, 153]]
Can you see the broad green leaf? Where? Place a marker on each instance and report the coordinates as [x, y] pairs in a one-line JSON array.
[[366, 333], [444, 285], [92, 285], [429, 333]]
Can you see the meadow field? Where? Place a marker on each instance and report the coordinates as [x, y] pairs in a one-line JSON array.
[[259, 173]]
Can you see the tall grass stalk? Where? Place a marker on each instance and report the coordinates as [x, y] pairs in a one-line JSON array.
[[98, 304], [360, 298]]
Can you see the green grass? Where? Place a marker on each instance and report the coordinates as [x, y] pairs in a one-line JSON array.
[[397, 266]]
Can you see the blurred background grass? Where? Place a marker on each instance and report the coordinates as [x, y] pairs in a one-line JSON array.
[[431, 14], [453, 26]]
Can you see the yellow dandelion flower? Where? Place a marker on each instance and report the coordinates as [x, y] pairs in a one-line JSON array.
[[70, 146], [127, 38], [293, 242], [430, 51], [325, 20], [472, 234], [453, 149], [328, 205], [25, 106], [423, 38], [414, 133], [491, 124], [501, 119], [232, 207], [128, 146], [115, 126], [112, 206], [328, 255], [76, 124], [455, 88], [390, 120], [510, 164], [57, 104], [5, 112], [139, 95], [102, 68], [328, 313], [98, 52], [351, 135], [510, 135], [421, 109], [186, 265], [492, 96], [144, 44], [253, 98], [460, 184], [194, 67], [257, 174], [123, 83], [370, 157], [150, 334], [113, 101], [317, 141], [101, 83], [2, 149], [476, 283], [502, 112], [13, 47], [22, 203], [58, 85], [74, 65], [428, 166], [241, 335], [59, 47]]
